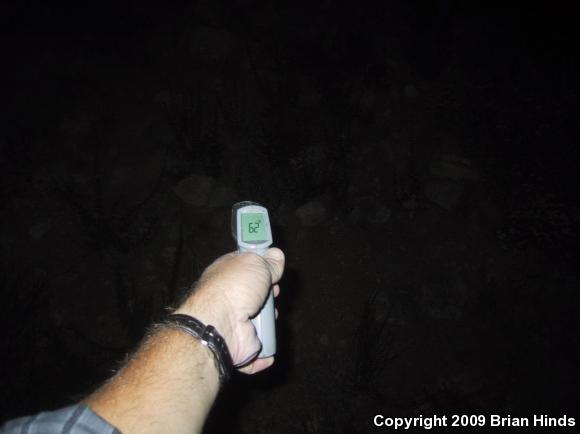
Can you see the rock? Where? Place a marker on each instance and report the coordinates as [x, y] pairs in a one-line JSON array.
[[39, 229], [435, 304], [195, 190], [138, 178], [446, 194], [168, 253], [411, 91], [200, 190], [220, 220], [380, 215], [380, 307], [222, 196], [311, 213], [488, 216], [77, 124], [410, 204], [284, 215], [453, 167], [392, 63], [309, 157], [213, 44], [163, 98], [373, 210], [355, 216]]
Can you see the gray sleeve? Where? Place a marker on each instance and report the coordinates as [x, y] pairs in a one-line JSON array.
[[76, 419]]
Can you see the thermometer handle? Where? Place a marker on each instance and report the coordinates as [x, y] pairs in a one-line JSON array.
[[265, 321]]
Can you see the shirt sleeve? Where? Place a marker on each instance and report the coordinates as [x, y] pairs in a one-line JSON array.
[[76, 419]]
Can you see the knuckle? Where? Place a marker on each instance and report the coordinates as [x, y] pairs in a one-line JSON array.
[[252, 260]]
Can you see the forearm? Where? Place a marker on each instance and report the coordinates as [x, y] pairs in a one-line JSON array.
[[168, 386], [172, 381]]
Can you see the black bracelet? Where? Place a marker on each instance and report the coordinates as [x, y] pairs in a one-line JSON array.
[[209, 337]]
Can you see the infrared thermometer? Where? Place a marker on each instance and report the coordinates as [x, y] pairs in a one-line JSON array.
[[251, 230]]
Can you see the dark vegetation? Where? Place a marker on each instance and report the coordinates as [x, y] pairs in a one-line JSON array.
[[434, 269]]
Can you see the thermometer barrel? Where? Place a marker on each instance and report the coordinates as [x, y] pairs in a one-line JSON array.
[[265, 321], [252, 231]]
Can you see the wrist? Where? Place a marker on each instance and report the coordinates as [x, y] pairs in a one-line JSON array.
[[209, 338], [206, 312]]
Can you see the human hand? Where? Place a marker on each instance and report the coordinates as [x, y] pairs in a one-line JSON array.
[[230, 291]]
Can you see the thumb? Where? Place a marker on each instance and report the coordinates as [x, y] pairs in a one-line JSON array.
[[275, 259], [249, 349]]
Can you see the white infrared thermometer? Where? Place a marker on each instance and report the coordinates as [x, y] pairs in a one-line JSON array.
[[251, 230]]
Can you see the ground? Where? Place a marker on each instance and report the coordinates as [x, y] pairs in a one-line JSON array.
[[419, 172]]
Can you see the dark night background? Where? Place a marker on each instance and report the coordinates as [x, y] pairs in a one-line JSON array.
[[417, 158]]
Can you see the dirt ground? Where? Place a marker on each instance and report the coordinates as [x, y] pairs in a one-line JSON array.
[[419, 167]]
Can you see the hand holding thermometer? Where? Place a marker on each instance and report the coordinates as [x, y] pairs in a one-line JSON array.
[[251, 230]]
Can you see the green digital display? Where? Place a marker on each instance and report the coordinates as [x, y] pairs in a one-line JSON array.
[[253, 228]]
